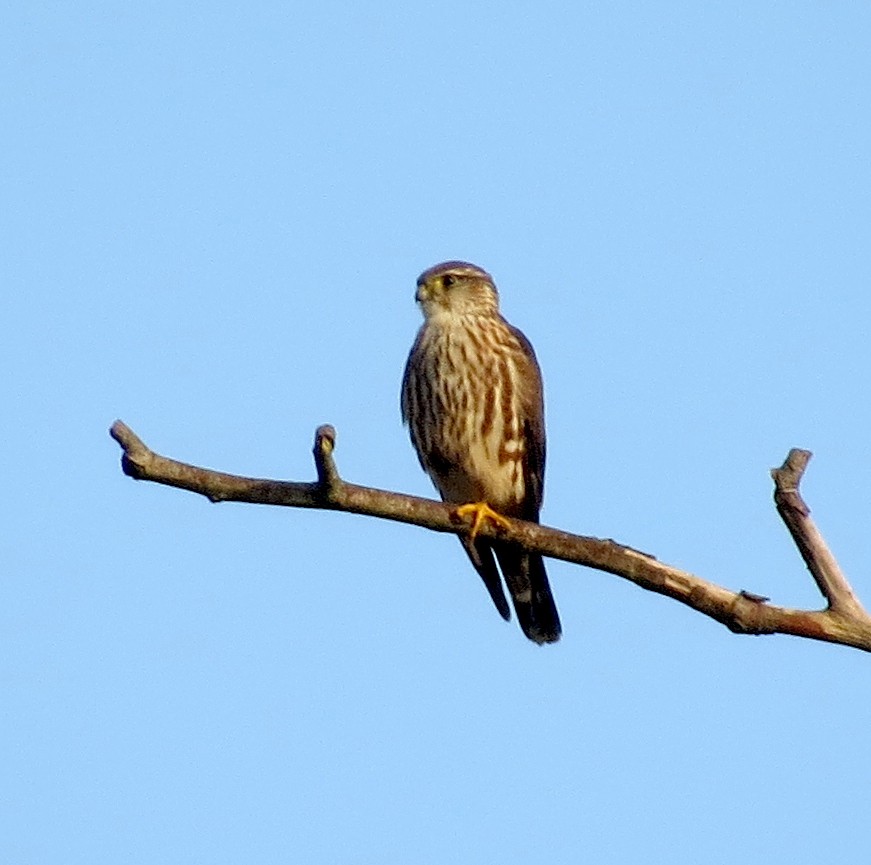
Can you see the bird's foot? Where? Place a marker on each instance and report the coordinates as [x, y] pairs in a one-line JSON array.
[[480, 512]]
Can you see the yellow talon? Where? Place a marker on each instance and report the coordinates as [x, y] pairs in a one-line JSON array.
[[481, 511]]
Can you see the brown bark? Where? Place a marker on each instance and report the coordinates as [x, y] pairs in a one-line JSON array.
[[843, 620]]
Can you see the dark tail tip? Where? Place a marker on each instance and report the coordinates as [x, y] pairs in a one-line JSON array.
[[540, 620], [530, 591]]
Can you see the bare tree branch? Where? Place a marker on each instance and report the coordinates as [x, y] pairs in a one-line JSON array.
[[844, 620]]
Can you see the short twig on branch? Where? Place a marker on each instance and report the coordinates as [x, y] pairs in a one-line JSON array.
[[844, 620]]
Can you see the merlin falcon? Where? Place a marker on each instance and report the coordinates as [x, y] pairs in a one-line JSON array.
[[473, 401]]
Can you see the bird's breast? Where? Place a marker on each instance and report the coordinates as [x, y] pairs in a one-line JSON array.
[[475, 417]]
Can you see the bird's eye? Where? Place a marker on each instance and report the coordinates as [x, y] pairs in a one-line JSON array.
[[448, 281]]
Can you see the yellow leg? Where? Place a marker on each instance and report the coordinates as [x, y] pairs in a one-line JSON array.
[[480, 511]]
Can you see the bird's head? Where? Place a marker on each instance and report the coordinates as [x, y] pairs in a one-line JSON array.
[[456, 288]]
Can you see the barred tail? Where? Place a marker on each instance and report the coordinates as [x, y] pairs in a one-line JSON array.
[[530, 591]]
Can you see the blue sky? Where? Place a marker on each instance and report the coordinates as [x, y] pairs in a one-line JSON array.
[[213, 220]]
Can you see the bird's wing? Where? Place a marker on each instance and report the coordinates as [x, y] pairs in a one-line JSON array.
[[481, 556], [533, 429]]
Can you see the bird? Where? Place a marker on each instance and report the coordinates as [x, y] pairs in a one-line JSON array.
[[473, 400]]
